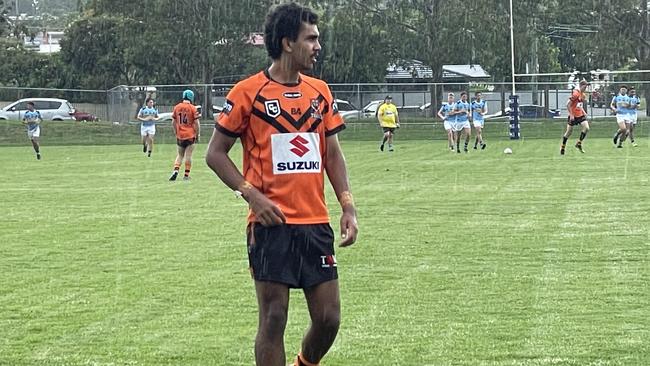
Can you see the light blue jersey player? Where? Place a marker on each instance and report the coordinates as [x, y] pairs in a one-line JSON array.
[[462, 109], [633, 112], [32, 119], [479, 109], [446, 113], [633, 105], [620, 105], [148, 115]]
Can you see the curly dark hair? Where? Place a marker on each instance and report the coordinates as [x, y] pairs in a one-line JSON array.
[[284, 21]]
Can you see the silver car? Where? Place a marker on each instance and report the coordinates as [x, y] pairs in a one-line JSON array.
[[349, 112], [51, 109]]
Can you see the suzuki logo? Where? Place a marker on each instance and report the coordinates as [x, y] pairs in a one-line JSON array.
[[300, 149]]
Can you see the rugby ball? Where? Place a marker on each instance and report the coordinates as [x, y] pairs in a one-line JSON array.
[[507, 150]]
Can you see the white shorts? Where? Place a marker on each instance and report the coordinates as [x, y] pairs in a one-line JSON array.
[[633, 118], [478, 123], [447, 125], [623, 118], [459, 126], [147, 130], [34, 133]]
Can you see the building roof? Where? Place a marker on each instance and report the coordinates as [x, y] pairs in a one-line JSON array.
[[408, 70], [417, 70], [463, 72]]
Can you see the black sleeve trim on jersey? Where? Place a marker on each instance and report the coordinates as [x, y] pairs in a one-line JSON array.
[[264, 117], [315, 125], [335, 131], [226, 131], [327, 108]]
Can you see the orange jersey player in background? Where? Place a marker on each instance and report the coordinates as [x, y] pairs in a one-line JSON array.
[[187, 129], [577, 116]]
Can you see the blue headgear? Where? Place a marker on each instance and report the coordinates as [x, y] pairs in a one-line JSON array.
[[189, 95]]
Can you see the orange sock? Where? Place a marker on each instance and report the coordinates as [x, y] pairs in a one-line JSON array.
[[177, 167], [300, 361], [188, 167]]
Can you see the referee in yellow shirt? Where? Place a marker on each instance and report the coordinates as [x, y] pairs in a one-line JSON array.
[[388, 120]]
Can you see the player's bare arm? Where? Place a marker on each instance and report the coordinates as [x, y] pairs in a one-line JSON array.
[[197, 128], [175, 125], [143, 118], [338, 176], [217, 158]]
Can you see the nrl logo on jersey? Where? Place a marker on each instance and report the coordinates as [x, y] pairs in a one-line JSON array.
[[315, 113], [272, 108], [227, 107]]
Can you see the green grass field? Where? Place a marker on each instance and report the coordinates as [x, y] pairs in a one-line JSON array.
[[477, 259]]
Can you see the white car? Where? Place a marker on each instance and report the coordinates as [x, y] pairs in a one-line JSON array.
[[349, 112], [51, 109], [346, 109]]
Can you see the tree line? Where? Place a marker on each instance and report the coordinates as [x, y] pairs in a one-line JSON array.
[[114, 42]]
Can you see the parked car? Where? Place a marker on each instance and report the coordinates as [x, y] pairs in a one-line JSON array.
[[347, 110], [369, 111], [51, 109], [84, 116]]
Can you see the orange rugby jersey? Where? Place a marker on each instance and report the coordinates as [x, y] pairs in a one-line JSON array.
[[575, 103], [283, 131], [185, 114]]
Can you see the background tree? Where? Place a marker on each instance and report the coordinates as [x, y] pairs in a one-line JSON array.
[[4, 23], [112, 42]]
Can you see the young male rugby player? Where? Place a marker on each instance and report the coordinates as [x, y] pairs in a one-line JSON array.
[[288, 123]]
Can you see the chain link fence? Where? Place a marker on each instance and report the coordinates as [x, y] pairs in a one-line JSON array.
[[418, 103]]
